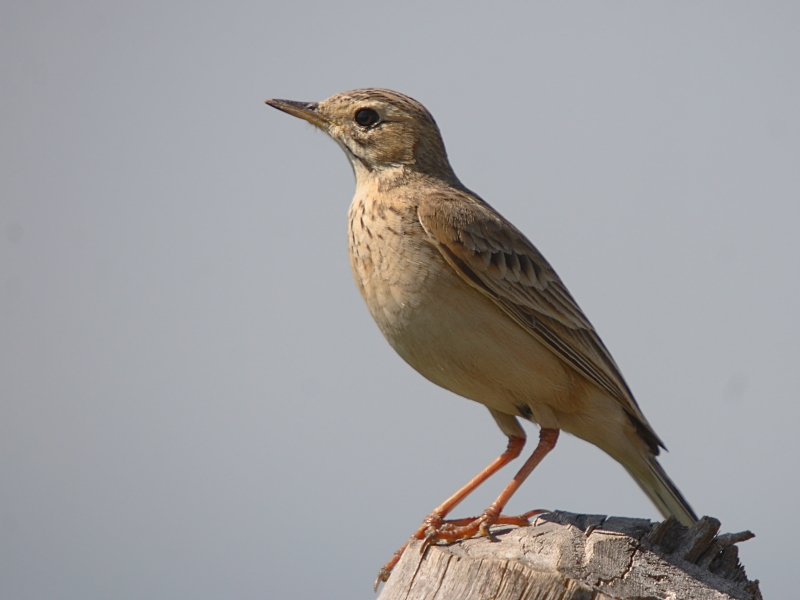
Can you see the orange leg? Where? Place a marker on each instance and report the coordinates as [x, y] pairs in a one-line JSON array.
[[434, 528], [450, 532]]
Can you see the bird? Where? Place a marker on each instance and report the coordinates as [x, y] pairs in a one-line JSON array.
[[471, 304]]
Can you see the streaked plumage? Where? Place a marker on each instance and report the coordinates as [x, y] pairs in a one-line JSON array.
[[470, 303]]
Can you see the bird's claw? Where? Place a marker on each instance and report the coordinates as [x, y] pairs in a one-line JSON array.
[[435, 530]]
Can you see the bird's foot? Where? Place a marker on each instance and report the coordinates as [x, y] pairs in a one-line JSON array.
[[436, 530], [452, 530]]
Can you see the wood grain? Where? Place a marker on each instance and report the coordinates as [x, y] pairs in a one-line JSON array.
[[564, 556]]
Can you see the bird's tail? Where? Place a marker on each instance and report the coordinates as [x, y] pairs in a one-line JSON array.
[[655, 482]]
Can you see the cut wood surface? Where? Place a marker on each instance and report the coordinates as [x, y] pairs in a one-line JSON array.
[[565, 556]]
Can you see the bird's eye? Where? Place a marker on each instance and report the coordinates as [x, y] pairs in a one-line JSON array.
[[366, 117]]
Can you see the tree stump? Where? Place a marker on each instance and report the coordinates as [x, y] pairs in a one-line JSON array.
[[564, 556]]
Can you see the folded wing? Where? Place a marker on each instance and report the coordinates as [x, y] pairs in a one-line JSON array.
[[499, 261]]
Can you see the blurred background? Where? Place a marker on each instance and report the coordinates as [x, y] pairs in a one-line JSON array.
[[194, 402]]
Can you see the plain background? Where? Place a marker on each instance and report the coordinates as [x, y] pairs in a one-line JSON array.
[[194, 402]]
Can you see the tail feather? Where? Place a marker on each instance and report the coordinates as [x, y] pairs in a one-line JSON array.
[[668, 499]]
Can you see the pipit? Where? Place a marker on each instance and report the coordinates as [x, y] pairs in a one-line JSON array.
[[471, 304]]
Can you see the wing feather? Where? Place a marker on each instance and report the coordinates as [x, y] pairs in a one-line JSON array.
[[499, 261]]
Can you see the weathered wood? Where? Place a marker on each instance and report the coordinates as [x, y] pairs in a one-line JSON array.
[[563, 556]]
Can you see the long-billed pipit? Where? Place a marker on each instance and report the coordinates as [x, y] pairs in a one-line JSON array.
[[472, 305]]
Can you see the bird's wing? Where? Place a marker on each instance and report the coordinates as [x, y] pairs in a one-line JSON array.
[[498, 260]]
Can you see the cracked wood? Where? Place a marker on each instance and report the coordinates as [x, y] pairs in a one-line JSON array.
[[579, 557]]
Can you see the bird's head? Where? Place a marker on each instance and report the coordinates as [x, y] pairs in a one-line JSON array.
[[379, 130]]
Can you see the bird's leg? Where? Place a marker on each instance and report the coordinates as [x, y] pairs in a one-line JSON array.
[[435, 520], [452, 531]]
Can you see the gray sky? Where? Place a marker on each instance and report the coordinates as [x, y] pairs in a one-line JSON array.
[[194, 402]]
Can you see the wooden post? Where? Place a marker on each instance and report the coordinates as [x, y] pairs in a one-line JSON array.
[[564, 556]]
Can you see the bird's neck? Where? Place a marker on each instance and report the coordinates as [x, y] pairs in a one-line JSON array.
[[385, 178]]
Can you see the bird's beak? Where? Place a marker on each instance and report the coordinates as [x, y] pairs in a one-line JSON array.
[[302, 110]]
